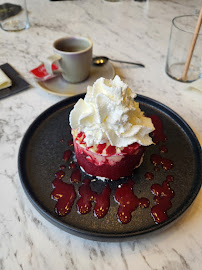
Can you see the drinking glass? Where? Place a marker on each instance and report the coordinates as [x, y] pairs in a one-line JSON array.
[[113, 0], [181, 35], [13, 15]]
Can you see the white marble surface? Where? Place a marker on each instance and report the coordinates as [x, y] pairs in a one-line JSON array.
[[126, 30]]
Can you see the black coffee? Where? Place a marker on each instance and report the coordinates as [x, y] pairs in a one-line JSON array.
[[71, 45], [72, 48]]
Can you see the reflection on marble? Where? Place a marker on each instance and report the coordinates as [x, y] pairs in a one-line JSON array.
[[127, 30]]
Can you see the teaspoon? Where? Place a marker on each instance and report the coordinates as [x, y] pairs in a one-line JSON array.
[[101, 60]]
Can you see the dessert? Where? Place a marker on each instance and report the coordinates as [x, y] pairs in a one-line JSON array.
[[109, 130]]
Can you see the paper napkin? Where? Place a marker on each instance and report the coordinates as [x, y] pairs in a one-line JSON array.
[[5, 81], [196, 85]]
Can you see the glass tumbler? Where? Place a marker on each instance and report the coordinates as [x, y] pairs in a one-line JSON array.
[[13, 15], [181, 35]]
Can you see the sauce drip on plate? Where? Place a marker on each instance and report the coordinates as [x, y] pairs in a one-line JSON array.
[[65, 193]]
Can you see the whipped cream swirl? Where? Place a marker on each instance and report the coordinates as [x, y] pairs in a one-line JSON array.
[[109, 114]]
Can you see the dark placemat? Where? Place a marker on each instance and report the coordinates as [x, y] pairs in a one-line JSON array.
[[18, 83]]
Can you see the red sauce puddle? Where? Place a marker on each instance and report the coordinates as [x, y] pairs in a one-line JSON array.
[[166, 164], [163, 195], [72, 165], [60, 174], [87, 196], [65, 194], [76, 176], [128, 202], [67, 155], [158, 134]]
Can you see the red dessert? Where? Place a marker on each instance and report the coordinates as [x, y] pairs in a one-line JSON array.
[[106, 126], [106, 161]]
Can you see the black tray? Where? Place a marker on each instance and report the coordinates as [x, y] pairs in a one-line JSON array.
[[18, 83]]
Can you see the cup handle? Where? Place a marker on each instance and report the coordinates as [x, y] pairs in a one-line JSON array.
[[49, 61]]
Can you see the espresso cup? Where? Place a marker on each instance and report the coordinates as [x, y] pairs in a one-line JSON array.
[[74, 57]]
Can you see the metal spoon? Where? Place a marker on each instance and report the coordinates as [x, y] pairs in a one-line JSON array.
[[101, 60]]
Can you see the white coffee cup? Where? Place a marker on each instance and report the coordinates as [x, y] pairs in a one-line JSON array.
[[74, 56]]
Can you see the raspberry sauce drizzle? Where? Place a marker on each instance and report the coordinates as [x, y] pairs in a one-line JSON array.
[[60, 174], [72, 165], [158, 134], [144, 202], [76, 176], [102, 201], [167, 164], [128, 202], [87, 196], [163, 195], [67, 155], [65, 195]]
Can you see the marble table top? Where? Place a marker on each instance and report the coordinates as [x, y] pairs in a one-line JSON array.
[[127, 30]]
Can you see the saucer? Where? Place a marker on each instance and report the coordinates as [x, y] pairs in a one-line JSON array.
[[58, 86]]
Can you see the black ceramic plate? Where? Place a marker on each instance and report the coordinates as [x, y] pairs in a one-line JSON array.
[[41, 154]]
